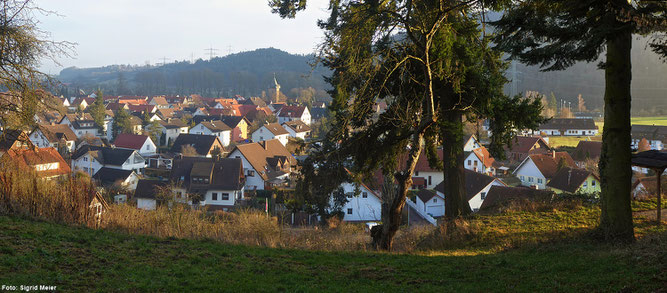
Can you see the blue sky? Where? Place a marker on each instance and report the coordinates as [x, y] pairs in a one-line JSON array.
[[139, 31]]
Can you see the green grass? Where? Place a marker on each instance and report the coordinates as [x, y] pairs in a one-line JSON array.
[[662, 120], [570, 141], [81, 259]]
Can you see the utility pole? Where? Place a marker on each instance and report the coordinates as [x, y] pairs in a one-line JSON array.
[[164, 60], [229, 50], [211, 52]]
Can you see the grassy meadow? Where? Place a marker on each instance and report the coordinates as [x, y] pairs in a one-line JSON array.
[[530, 249], [662, 120]]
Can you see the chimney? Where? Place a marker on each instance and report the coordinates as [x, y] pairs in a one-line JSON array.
[[569, 174]]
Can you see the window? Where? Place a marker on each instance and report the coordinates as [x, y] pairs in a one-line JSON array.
[[530, 179], [522, 178], [416, 173], [469, 162], [214, 196], [225, 196], [364, 195], [429, 180], [585, 184], [251, 173], [349, 195], [85, 159], [483, 195], [435, 200], [539, 180], [593, 183], [475, 164], [349, 211]]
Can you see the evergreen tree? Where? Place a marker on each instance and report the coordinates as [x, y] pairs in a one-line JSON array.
[[435, 72], [557, 33], [97, 109], [121, 123]]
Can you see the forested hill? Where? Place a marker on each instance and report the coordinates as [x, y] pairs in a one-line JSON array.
[[247, 73]]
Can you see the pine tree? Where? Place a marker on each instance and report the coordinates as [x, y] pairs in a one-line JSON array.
[[557, 33], [438, 71], [97, 109], [121, 123]]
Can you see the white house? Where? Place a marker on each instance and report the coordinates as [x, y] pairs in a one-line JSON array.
[[271, 131], [655, 135], [110, 176], [297, 129], [569, 127], [215, 128], [479, 160], [90, 159], [265, 163], [146, 193], [471, 143], [219, 184], [57, 136], [141, 143], [429, 175], [431, 202], [536, 170], [170, 130], [291, 113], [476, 187], [366, 206]]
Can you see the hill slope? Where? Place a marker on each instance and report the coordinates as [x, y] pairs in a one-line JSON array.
[[76, 259]]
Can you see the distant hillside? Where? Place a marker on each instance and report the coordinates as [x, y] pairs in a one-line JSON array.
[[247, 73]]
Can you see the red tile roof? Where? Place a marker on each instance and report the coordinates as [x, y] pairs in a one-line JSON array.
[[130, 141], [292, 111], [29, 158], [548, 163]]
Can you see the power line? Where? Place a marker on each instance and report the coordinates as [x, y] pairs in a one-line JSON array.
[[211, 52], [164, 60]]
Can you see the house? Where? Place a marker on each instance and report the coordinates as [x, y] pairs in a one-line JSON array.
[[82, 103], [148, 192], [271, 131], [13, 140], [569, 126], [430, 176], [471, 143], [82, 127], [171, 129], [479, 160], [265, 164], [137, 124], [141, 143], [291, 113], [571, 180], [297, 129], [90, 159], [215, 184], [97, 206], [536, 170], [523, 146], [656, 136], [215, 128], [431, 202], [203, 145], [500, 196], [476, 187], [159, 101], [59, 136], [112, 176], [587, 150], [116, 106], [366, 206], [647, 187], [239, 127], [45, 162], [318, 113]]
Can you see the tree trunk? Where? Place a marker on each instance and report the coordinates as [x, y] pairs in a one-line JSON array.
[[395, 201], [456, 203], [615, 160]]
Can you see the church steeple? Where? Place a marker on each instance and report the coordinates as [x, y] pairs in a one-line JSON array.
[[277, 88]]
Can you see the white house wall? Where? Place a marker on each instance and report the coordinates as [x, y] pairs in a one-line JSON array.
[[362, 209], [530, 175], [254, 182]]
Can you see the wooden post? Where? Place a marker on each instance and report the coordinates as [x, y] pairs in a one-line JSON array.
[[659, 215]]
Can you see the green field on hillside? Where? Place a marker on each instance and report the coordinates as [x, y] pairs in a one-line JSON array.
[[649, 120], [81, 259]]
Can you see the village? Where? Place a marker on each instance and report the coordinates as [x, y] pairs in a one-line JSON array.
[[229, 154]]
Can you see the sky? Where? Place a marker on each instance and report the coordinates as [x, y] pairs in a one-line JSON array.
[[139, 31]]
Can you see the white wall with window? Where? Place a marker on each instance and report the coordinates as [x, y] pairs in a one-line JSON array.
[[364, 207]]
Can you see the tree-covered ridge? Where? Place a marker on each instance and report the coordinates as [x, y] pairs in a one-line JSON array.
[[247, 73]]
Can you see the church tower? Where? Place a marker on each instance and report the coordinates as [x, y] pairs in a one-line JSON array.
[[277, 88]]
